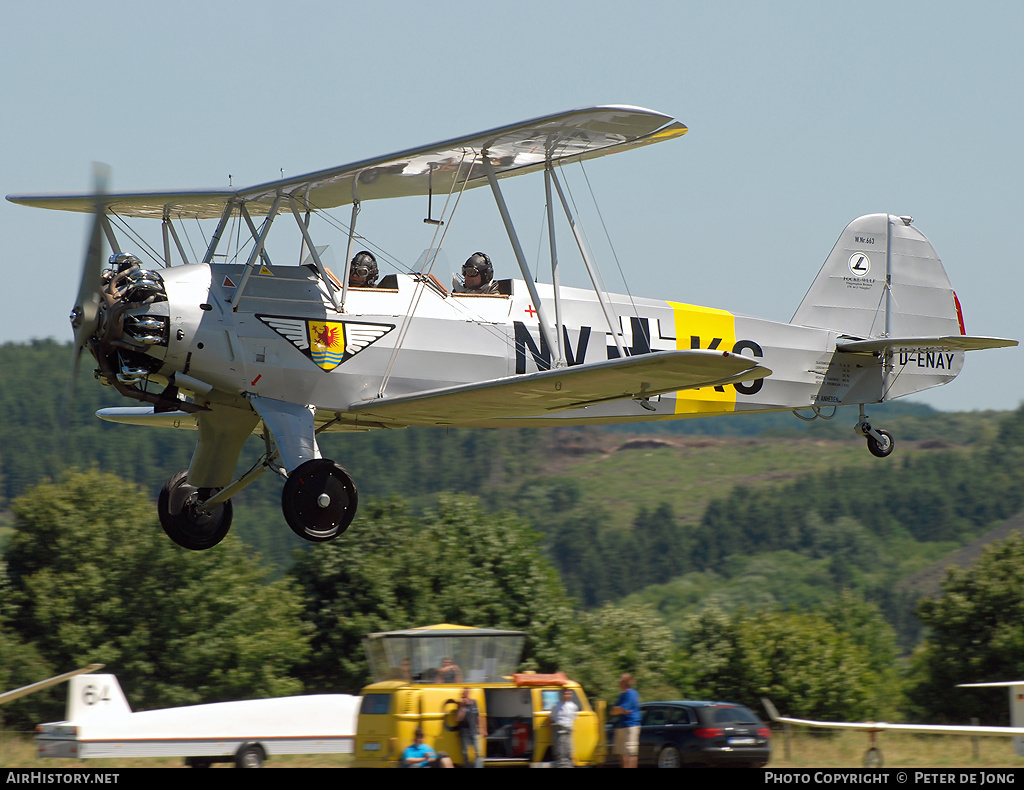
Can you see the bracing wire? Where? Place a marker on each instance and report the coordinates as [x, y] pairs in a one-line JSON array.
[[420, 285], [600, 285], [611, 246], [188, 239], [206, 241], [583, 230], [129, 231]]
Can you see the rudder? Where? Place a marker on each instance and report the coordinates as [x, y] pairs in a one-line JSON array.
[[849, 293], [92, 696]]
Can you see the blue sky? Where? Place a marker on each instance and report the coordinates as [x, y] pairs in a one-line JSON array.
[[802, 116]]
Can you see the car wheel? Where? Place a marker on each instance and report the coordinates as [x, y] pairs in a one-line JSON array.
[[668, 757], [249, 756]]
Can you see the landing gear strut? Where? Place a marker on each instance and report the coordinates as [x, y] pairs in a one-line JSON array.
[[184, 518], [319, 500], [880, 442]]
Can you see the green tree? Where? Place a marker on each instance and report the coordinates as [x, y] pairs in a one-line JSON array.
[[20, 665], [454, 564], [863, 622], [799, 661], [617, 639], [976, 634], [93, 579]]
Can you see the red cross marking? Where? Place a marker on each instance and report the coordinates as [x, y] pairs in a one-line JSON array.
[[531, 311]]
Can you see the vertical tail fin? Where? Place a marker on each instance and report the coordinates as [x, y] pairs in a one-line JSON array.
[[94, 696], [850, 296], [883, 279]]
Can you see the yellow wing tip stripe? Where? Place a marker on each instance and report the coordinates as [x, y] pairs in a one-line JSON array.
[[669, 133]]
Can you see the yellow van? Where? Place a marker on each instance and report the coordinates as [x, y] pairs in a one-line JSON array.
[[419, 675]]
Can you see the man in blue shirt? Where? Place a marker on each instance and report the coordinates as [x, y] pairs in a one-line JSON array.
[[419, 755], [627, 723]]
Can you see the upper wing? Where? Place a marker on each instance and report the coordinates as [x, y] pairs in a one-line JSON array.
[[946, 343], [880, 726], [535, 394], [524, 147]]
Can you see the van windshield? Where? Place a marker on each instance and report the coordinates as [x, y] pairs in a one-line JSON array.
[[465, 656]]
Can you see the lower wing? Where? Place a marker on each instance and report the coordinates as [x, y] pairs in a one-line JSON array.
[[636, 378]]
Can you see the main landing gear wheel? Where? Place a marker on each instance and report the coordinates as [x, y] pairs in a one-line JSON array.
[[881, 448], [319, 500], [873, 758], [185, 521]]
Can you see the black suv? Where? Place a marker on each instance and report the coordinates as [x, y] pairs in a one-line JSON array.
[[689, 733]]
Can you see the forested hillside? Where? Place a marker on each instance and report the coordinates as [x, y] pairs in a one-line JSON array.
[[778, 497], [680, 556]]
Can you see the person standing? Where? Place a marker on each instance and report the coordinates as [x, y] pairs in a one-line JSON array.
[[627, 723], [562, 721], [472, 730]]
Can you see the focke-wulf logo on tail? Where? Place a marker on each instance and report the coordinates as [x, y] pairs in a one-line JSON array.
[[326, 343]]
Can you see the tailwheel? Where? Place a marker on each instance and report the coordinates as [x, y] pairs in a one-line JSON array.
[[319, 500], [880, 442], [184, 519]]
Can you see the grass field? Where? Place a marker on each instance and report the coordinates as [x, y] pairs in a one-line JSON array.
[[900, 750], [687, 472], [804, 750]]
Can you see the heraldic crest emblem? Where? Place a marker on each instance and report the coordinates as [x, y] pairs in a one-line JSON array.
[[327, 343]]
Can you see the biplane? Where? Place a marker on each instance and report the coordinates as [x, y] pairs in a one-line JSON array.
[[238, 346]]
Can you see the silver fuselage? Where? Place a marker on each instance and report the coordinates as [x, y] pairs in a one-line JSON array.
[[454, 339]]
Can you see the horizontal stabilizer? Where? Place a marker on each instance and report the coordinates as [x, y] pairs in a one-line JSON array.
[[947, 343], [537, 394]]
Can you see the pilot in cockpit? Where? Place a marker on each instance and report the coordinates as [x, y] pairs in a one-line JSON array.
[[477, 276], [362, 272]]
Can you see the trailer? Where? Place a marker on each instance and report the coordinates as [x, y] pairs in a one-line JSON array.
[[100, 723]]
